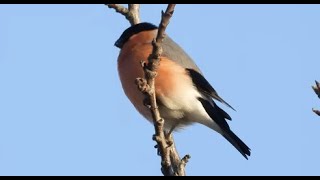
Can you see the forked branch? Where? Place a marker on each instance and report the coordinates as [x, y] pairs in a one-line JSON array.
[[131, 13]]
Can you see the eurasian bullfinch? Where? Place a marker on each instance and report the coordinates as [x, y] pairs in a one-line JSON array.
[[184, 96]]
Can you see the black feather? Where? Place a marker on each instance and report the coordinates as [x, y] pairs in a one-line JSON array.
[[204, 86], [215, 113], [223, 113], [135, 29], [237, 143]]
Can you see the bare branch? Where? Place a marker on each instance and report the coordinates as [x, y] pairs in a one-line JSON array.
[[316, 89], [181, 169], [178, 164], [164, 22], [132, 14], [135, 13], [151, 72], [119, 9], [171, 165]]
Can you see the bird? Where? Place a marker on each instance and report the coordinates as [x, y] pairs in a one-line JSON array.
[[183, 94]]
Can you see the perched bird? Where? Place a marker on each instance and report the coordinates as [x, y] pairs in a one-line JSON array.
[[183, 95]]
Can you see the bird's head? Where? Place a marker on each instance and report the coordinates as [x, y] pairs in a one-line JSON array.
[[135, 29]]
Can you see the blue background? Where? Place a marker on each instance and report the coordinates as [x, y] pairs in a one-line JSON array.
[[63, 111]]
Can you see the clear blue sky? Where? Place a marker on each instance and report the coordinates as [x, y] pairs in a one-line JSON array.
[[63, 112]]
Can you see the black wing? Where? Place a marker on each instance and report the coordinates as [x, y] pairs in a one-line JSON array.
[[204, 86]]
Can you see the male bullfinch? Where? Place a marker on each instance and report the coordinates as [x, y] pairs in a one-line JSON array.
[[183, 95]]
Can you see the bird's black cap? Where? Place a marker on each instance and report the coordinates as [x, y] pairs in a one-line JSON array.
[[135, 29]]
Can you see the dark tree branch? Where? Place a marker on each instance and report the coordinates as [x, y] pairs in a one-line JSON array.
[[316, 89]]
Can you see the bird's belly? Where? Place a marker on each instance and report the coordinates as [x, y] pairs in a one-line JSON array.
[[175, 92]]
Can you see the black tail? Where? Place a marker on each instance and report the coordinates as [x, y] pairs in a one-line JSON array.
[[237, 143], [219, 116]]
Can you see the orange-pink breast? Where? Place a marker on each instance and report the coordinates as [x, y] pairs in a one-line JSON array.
[[171, 78], [129, 69]]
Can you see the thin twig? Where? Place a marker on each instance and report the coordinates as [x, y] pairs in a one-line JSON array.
[[316, 89], [171, 164], [134, 13], [151, 72], [131, 13], [178, 164], [119, 9], [170, 160]]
